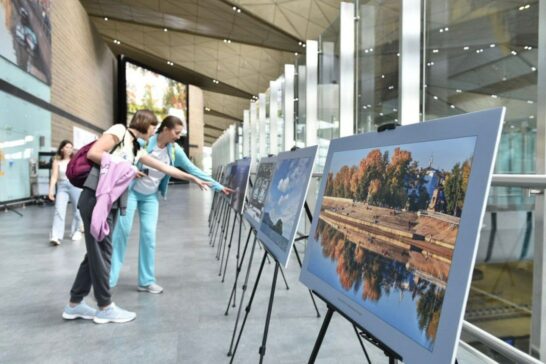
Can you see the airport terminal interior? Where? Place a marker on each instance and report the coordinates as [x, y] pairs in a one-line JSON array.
[[277, 181]]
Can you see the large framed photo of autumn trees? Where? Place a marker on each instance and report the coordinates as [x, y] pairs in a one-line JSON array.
[[284, 201], [395, 230]]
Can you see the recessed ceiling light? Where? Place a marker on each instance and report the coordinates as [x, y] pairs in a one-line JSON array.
[[435, 97], [295, 53], [165, 29], [105, 18], [238, 10], [533, 69], [530, 101], [435, 51], [207, 109], [494, 96], [492, 45], [459, 91], [466, 48], [514, 53], [452, 106], [234, 8]]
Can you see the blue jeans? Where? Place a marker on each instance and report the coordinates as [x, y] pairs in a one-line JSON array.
[[65, 192], [148, 209]]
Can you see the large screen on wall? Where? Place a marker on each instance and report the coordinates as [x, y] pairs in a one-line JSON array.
[[284, 202], [25, 36], [256, 198], [396, 227], [150, 90]]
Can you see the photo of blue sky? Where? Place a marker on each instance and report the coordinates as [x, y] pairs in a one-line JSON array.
[[284, 200]]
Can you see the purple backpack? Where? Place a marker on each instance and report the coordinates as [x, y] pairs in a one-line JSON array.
[[79, 166]]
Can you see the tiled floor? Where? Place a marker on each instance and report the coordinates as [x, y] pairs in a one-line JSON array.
[[186, 324]]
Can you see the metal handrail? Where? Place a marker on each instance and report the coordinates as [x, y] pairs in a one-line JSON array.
[[493, 342]]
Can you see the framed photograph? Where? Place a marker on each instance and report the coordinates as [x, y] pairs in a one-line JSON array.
[[240, 172], [284, 202], [256, 198], [395, 230]]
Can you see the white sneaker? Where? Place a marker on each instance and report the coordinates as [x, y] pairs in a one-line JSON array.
[[77, 236], [80, 311], [152, 288], [113, 313], [54, 241]]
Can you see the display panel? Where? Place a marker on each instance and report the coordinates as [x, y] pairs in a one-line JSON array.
[[396, 227], [25, 36], [284, 201], [150, 90], [253, 212], [240, 171]]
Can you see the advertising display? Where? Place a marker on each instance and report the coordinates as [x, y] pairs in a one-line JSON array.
[[240, 172], [396, 226], [256, 199], [284, 201], [25, 36]]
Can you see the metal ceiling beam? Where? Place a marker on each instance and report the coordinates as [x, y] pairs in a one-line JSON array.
[[213, 127]]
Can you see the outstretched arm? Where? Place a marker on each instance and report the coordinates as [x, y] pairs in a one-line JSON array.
[[173, 172], [182, 161]]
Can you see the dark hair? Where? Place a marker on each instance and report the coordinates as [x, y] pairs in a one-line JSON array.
[[59, 153], [170, 122], [142, 120]]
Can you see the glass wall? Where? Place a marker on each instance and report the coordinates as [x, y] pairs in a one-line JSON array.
[[299, 105], [328, 90], [480, 55], [377, 36], [25, 130]]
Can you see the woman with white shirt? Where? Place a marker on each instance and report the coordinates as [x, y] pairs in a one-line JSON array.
[[65, 192], [144, 197], [94, 271]]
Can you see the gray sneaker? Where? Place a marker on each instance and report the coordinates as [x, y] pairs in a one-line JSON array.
[[152, 288], [80, 311], [113, 314]]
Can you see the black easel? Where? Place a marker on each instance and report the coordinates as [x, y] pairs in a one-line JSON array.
[[219, 219], [389, 353]]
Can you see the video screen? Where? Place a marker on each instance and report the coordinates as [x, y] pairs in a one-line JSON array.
[[149, 90], [389, 219]]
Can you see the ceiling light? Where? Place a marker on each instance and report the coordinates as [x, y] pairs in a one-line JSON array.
[[442, 30], [459, 91], [234, 8], [514, 53], [303, 45], [170, 63], [364, 107], [452, 106], [391, 87], [238, 10], [165, 29], [533, 69], [434, 51], [380, 114], [300, 43], [105, 18], [382, 76], [466, 48], [446, 29], [207, 109], [530, 101], [365, 51], [435, 97], [492, 45], [395, 110], [295, 53], [531, 116], [527, 6], [397, 54], [494, 96]]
